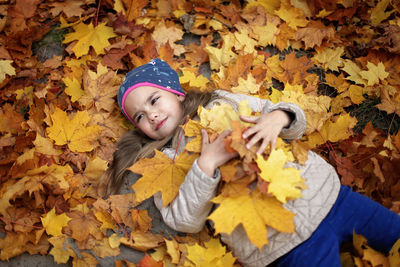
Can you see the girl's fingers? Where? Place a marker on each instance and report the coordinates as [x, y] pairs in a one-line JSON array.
[[263, 146], [253, 141], [249, 118], [250, 131], [273, 143], [226, 133], [204, 136]]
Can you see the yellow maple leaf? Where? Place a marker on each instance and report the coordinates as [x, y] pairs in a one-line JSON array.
[[374, 73], [61, 249], [6, 69], [248, 86], [337, 82], [356, 94], [221, 56], [323, 13], [368, 254], [87, 35], [45, 146], [161, 174], [212, 254], [73, 88], [219, 118], [194, 80], [254, 212], [26, 93], [269, 6], [243, 42], [103, 248], [54, 223], [95, 167], [394, 254], [316, 108], [193, 129], [341, 129], [293, 16], [266, 34], [378, 13], [330, 58], [105, 218], [173, 250], [284, 183], [354, 72], [114, 240], [73, 132]]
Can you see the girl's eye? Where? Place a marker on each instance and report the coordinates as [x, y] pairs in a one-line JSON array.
[[154, 100], [138, 118]]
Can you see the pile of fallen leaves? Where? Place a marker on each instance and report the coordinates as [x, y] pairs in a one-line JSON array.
[[59, 119]]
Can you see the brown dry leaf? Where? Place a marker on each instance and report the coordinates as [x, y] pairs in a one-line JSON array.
[[141, 220], [314, 34], [143, 241], [84, 224], [100, 89]]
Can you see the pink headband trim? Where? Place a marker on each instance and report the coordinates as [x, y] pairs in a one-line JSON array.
[[133, 87]]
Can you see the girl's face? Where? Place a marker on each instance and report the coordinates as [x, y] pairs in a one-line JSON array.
[[156, 112]]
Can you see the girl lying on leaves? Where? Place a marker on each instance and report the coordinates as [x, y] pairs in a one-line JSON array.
[[326, 214]]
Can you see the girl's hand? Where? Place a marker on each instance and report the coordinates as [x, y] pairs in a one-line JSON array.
[[267, 128], [213, 154]]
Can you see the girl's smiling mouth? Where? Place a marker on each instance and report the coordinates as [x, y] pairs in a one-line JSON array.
[[160, 124]]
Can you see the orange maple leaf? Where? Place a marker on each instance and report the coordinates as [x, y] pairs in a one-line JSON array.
[[295, 69], [148, 261], [83, 224]]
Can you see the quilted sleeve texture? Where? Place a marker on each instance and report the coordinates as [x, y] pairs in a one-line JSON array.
[[189, 210], [323, 187]]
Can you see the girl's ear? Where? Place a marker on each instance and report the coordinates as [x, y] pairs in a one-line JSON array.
[[181, 97]]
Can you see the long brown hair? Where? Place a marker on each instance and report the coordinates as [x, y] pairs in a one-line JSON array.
[[135, 145]]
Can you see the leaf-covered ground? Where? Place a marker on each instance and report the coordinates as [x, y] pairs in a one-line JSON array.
[[61, 63]]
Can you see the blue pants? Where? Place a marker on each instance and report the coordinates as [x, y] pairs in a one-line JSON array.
[[351, 212]]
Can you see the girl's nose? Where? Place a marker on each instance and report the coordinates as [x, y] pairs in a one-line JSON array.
[[153, 116]]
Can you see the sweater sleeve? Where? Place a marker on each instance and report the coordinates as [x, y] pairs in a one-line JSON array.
[[297, 126], [189, 210]]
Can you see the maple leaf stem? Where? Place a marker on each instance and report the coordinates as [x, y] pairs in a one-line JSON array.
[[330, 148], [120, 225], [391, 122], [180, 138], [367, 157], [226, 25], [96, 20], [123, 229]]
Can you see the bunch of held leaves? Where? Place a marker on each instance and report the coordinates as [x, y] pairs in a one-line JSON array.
[[59, 119]]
